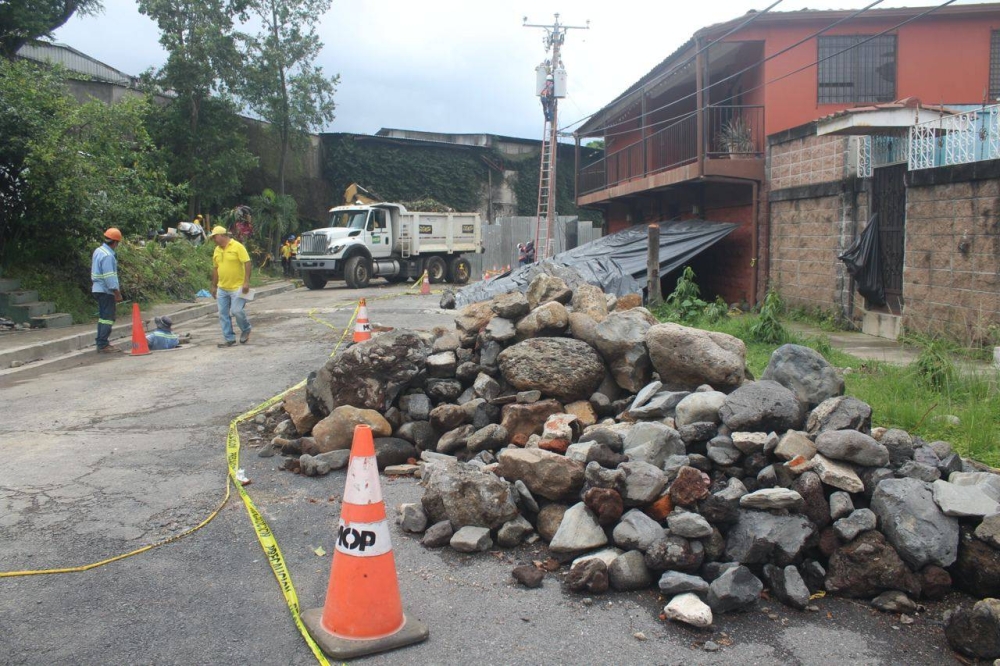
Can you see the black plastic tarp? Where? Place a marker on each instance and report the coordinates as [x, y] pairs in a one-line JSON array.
[[864, 262], [615, 263]]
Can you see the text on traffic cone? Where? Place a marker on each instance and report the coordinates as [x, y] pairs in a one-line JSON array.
[[139, 344], [362, 327]]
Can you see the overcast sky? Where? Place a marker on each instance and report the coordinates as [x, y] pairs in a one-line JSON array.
[[462, 65]]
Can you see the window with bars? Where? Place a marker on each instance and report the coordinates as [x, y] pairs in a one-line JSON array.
[[851, 71], [995, 66]]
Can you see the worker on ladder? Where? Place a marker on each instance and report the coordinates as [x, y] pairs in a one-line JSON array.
[[548, 97]]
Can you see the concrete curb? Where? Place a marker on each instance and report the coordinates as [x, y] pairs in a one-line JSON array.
[[63, 351]]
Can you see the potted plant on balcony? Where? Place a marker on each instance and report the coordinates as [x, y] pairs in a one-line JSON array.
[[736, 138]]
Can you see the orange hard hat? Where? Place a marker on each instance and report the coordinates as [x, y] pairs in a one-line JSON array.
[[113, 234]]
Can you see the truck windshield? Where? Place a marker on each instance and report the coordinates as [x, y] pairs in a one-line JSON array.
[[349, 219]]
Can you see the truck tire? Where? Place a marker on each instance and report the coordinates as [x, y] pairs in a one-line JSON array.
[[436, 270], [357, 272], [459, 270], [313, 280]]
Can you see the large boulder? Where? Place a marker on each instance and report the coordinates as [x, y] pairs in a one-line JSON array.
[[474, 317], [297, 407], [975, 631], [370, 374], [550, 319], [621, 339], [914, 524], [759, 537], [805, 372], [336, 431], [687, 357], [546, 474], [977, 569], [840, 413], [699, 407], [465, 496], [512, 305], [762, 407], [735, 590], [563, 368], [591, 301], [546, 288], [867, 566]]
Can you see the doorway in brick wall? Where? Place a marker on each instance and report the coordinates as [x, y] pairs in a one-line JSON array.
[[889, 203]]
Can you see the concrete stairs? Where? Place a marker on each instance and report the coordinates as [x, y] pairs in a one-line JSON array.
[[23, 307]]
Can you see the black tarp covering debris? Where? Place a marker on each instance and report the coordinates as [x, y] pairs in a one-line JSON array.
[[864, 262], [615, 263]]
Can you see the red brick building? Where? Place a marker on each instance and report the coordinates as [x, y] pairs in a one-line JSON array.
[[689, 139]]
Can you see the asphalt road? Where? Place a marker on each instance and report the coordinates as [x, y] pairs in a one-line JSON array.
[[123, 452]]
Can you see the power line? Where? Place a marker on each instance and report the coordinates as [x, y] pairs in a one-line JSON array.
[[764, 60]]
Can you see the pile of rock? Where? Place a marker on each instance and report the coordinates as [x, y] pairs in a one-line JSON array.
[[644, 454]]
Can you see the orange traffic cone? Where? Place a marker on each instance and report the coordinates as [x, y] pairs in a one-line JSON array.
[[139, 344], [425, 285], [363, 613], [362, 327]]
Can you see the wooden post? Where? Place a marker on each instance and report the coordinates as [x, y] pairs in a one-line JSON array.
[[653, 267]]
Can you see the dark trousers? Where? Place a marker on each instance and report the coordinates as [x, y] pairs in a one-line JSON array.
[[105, 318]]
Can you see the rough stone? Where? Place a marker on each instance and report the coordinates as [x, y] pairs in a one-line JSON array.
[[977, 567], [805, 372], [621, 340], [867, 566], [989, 530], [688, 357], [588, 576], [918, 470], [963, 501], [894, 601], [988, 482], [975, 632], [771, 499], [641, 483], [454, 440], [735, 590], [793, 444], [297, 407], [545, 288], [528, 575], [606, 504], [546, 474], [471, 539], [492, 437], [699, 407], [511, 305], [759, 537], [840, 413], [550, 319], [899, 444], [914, 524], [500, 329], [590, 300], [761, 406], [861, 520], [464, 496], [522, 420], [336, 431], [722, 451], [836, 474], [578, 531], [514, 532], [841, 504], [689, 487], [563, 368], [652, 443], [689, 525], [629, 572], [437, 535], [689, 609], [674, 553], [675, 582], [787, 585], [636, 531], [549, 518], [852, 446], [441, 365]]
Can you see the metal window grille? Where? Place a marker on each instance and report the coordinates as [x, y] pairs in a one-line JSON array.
[[862, 73], [995, 66]]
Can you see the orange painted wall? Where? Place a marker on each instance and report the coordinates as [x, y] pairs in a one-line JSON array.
[[939, 59]]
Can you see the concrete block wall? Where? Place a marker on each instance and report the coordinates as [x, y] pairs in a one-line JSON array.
[[951, 272], [808, 160]]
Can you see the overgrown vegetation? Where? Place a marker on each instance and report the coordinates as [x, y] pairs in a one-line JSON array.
[[916, 398]]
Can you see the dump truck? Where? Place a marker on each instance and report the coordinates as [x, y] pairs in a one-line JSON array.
[[382, 239]]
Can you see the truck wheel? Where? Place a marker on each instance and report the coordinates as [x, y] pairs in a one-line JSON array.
[[459, 271], [435, 269], [356, 272], [313, 280]]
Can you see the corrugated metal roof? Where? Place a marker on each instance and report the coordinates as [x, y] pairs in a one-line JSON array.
[[76, 62]]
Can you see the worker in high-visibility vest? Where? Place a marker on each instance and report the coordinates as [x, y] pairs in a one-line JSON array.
[[287, 252], [104, 278]]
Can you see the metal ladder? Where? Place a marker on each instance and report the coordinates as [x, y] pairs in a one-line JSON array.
[[543, 223]]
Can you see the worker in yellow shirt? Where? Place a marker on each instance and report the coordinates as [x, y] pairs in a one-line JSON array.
[[230, 284], [287, 252]]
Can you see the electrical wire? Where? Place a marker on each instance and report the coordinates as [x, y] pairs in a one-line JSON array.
[[682, 117]]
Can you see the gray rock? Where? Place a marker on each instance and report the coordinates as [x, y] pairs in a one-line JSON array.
[[689, 525], [636, 531], [471, 539], [675, 582], [674, 553], [975, 632], [644, 394], [368, 375], [761, 406], [836, 474], [393, 451], [721, 451], [840, 413], [563, 368], [735, 590], [771, 499], [545, 288], [918, 470], [795, 443], [700, 406], [652, 443], [852, 446], [899, 444], [590, 300], [444, 390], [442, 365], [417, 406], [514, 532], [841, 504], [550, 319], [511, 305], [814, 504], [598, 477], [525, 498], [546, 474], [926, 455], [759, 537], [438, 535], [963, 501], [894, 601], [492, 437], [787, 585], [913, 523], [750, 443], [621, 339], [420, 433], [486, 387], [805, 372], [578, 532], [464, 496], [861, 520], [412, 518], [659, 406], [454, 440], [642, 482], [689, 609], [500, 329], [688, 357], [989, 530], [629, 572], [988, 482]]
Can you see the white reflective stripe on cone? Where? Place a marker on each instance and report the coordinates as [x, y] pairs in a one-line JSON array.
[[364, 539], [363, 486]]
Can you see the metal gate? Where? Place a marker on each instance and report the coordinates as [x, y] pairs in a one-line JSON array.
[[889, 203]]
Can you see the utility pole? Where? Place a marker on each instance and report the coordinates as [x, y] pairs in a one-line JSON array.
[[553, 85]]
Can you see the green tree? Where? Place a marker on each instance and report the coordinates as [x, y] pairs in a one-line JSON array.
[[282, 84], [67, 171], [274, 218], [202, 61], [24, 21]]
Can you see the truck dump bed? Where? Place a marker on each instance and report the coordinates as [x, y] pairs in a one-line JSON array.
[[423, 233]]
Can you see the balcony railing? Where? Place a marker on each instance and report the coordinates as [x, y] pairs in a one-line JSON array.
[[965, 137], [730, 131]]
